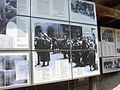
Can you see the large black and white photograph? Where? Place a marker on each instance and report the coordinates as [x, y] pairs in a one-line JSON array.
[[85, 60], [82, 12], [51, 56], [50, 35], [108, 41], [52, 9], [14, 32], [14, 7], [110, 64], [14, 69]]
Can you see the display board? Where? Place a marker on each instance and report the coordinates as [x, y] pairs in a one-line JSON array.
[[60, 35], [14, 69], [52, 9], [85, 60], [82, 12], [14, 33], [50, 64], [108, 41], [117, 38], [110, 64]]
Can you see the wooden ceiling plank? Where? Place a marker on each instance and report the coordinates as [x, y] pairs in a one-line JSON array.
[[107, 11]]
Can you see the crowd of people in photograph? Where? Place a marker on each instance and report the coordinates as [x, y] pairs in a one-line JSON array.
[[83, 8], [83, 49]]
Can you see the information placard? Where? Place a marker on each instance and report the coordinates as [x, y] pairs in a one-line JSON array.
[[52, 9]]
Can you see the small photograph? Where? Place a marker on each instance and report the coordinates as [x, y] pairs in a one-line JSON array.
[[111, 64], [108, 64], [83, 12], [14, 69], [107, 34], [51, 36]]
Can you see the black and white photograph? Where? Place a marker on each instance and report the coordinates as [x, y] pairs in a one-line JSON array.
[[51, 56], [14, 7], [14, 32], [110, 64], [14, 69], [82, 12], [108, 41], [85, 60], [50, 9], [107, 35], [50, 35]]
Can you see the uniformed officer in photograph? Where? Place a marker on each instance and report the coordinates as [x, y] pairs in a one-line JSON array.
[[42, 42]]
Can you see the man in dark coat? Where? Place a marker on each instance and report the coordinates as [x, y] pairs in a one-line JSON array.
[[42, 42]]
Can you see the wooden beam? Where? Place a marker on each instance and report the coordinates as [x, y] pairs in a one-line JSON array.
[[107, 12]]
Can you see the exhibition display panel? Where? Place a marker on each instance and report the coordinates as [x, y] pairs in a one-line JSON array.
[[108, 41], [84, 51], [46, 41]]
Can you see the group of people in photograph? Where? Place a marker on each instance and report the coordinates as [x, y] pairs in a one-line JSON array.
[[112, 64], [83, 8], [83, 49]]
